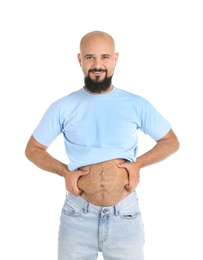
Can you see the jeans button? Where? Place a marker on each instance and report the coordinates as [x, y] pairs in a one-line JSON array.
[[105, 210]]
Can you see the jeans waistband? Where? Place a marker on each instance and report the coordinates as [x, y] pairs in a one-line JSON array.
[[114, 209]]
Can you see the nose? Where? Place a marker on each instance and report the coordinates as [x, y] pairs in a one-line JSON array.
[[97, 63]]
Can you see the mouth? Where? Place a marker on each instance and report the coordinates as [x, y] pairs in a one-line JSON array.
[[97, 72]]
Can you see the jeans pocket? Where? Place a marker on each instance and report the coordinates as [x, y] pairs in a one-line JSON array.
[[70, 208], [130, 211]]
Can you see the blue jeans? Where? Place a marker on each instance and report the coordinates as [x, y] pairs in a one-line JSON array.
[[117, 231]]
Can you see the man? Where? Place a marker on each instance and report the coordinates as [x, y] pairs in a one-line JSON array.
[[99, 123]]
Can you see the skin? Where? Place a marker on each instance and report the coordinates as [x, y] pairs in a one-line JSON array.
[[112, 180]]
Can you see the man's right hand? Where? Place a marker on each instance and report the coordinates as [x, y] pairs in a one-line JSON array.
[[71, 181], [37, 153]]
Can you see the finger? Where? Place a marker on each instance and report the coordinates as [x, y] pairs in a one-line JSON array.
[[78, 192], [81, 173], [75, 190], [128, 187], [133, 182], [122, 165]]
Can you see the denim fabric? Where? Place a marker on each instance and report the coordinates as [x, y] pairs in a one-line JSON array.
[[85, 229]]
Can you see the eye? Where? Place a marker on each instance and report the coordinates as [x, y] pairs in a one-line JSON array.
[[89, 57], [105, 56]]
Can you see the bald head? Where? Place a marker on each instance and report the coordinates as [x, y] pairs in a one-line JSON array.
[[96, 37]]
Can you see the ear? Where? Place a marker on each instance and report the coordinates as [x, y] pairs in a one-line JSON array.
[[79, 59], [116, 57]]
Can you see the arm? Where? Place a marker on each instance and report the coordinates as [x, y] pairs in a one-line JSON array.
[[37, 154], [164, 147]]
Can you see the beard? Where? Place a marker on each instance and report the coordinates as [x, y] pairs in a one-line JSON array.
[[96, 86]]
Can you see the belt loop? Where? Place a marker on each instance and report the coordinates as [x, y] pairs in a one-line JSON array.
[[116, 211], [85, 208]]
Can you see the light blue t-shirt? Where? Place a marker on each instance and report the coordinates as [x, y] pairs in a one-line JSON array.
[[100, 127]]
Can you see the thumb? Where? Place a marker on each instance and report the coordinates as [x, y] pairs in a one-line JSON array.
[[122, 165], [127, 187], [83, 173]]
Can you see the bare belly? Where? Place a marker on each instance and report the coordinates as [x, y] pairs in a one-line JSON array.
[[105, 183]]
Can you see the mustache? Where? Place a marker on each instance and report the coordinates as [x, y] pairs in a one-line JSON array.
[[97, 70]]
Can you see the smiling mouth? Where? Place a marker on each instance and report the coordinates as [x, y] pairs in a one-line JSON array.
[[98, 75], [97, 71]]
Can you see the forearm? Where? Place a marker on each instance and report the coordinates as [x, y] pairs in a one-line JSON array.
[[37, 154], [46, 162], [163, 149], [158, 153]]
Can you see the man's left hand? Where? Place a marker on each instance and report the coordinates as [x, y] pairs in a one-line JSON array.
[[133, 174]]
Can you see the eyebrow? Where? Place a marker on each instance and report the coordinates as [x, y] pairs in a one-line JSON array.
[[87, 55]]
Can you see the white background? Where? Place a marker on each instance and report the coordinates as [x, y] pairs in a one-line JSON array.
[[161, 58]]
